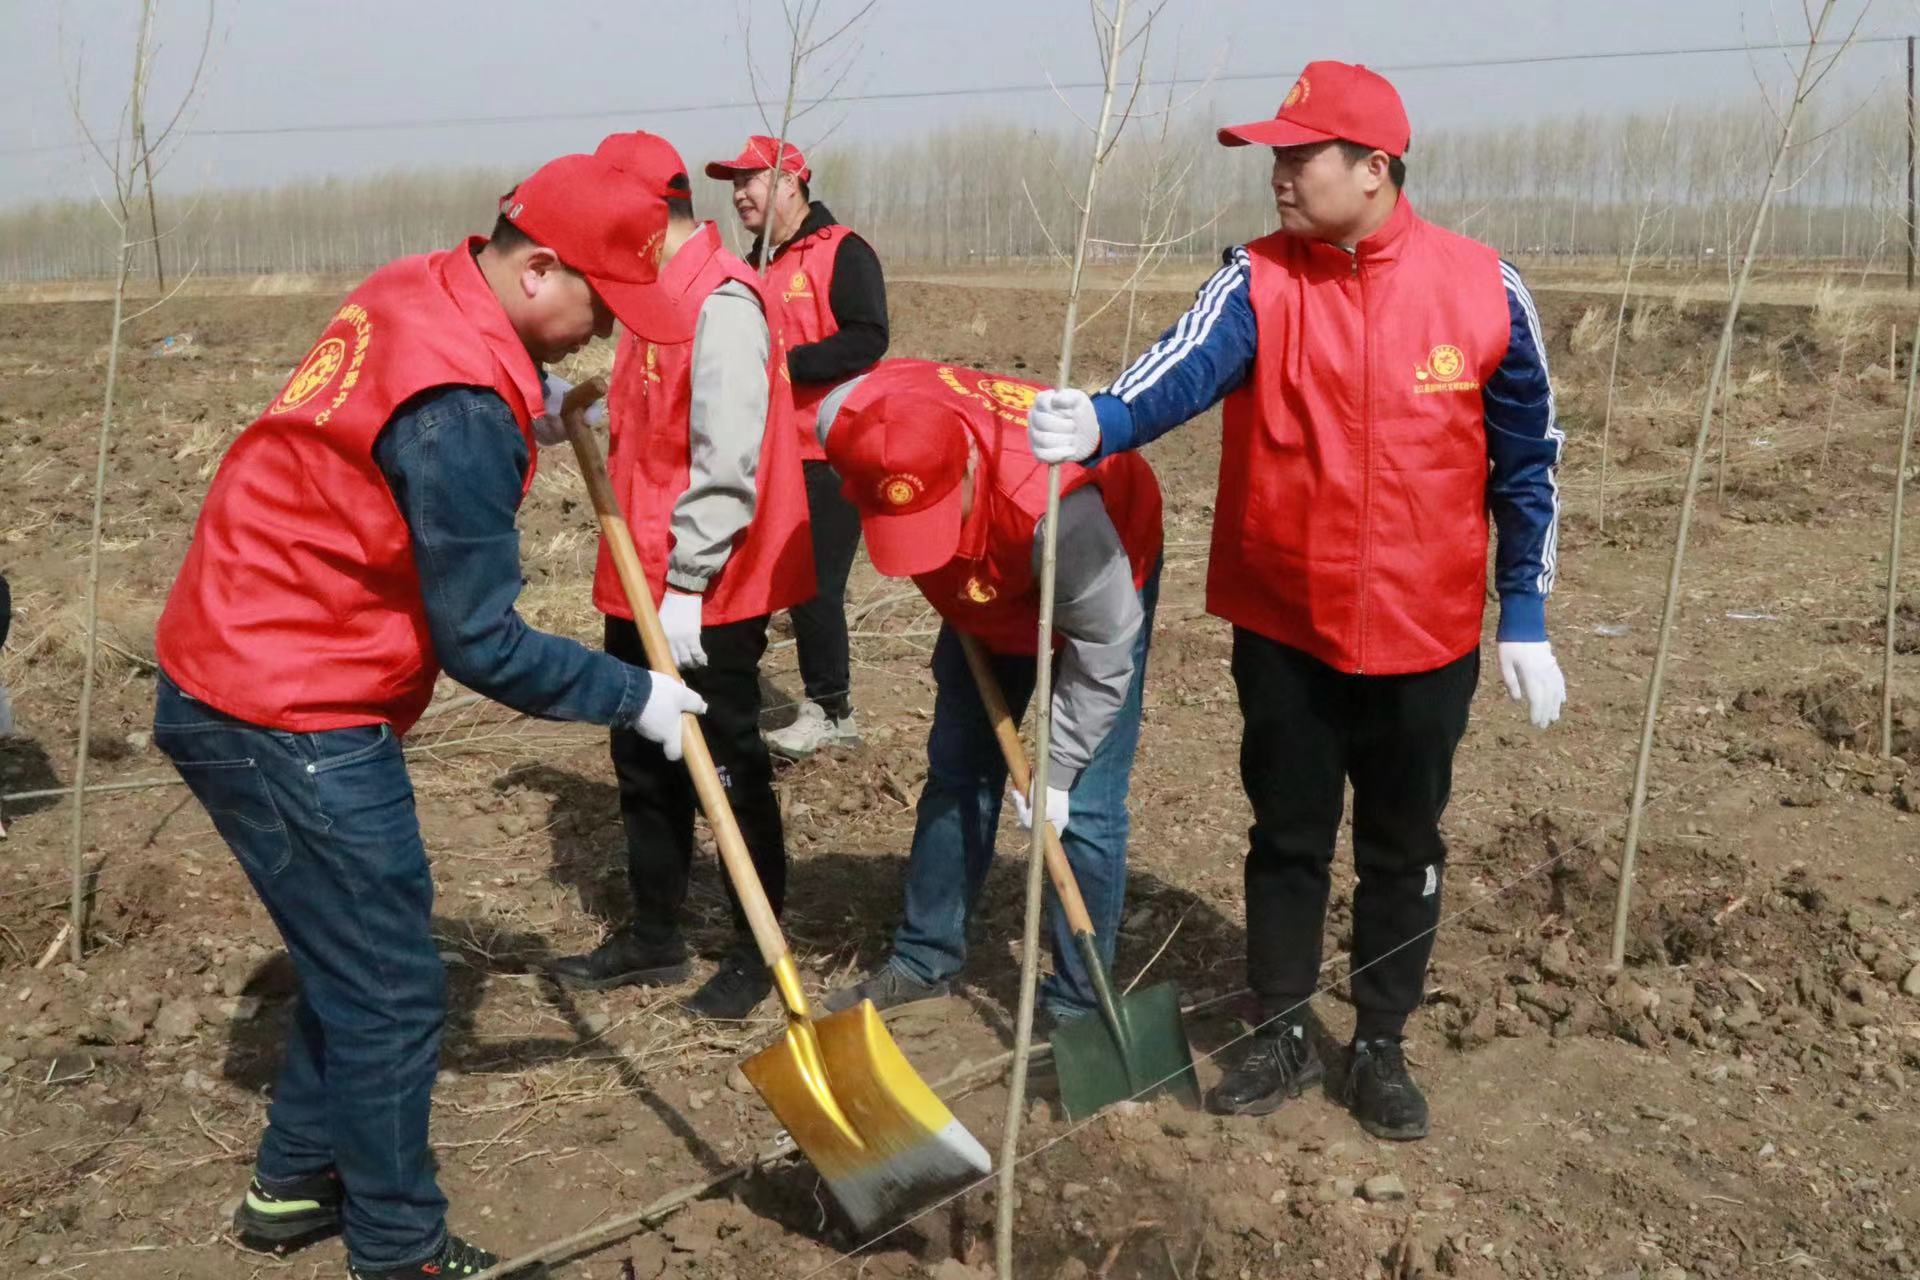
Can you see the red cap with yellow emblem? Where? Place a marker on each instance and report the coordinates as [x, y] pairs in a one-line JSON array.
[[608, 224], [901, 461], [758, 154], [1331, 101]]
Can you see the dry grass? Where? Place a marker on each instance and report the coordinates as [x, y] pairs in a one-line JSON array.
[[1839, 315], [51, 637], [1591, 332]]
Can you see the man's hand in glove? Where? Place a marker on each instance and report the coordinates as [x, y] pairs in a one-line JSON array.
[[548, 428], [680, 618], [660, 720], [1062, 426], [1057, 810], [1532, 675]]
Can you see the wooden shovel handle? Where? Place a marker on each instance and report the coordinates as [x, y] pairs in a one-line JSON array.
[[653, 638], [1058, 869]]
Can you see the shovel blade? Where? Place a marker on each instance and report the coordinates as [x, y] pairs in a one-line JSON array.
[[881, 1139], [1149, 1056]]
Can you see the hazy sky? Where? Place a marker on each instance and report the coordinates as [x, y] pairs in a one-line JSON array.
[[620, 64]]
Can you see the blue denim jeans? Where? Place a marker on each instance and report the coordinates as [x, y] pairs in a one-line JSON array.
[[960, 807], [324, 827]]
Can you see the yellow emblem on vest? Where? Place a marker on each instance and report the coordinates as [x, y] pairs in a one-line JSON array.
[[979, 592], [1443, 371], [314, 373]]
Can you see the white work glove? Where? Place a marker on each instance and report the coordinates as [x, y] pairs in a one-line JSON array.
[[1057, 810], [548, 429], [659, 721], [1531, 675], [1062, 427], [680, 618], [6, 713]]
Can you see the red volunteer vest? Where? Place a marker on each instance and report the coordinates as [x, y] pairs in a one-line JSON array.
[[648, 398], [802, 274], [299, 606], [989, 589], [1352, 514]]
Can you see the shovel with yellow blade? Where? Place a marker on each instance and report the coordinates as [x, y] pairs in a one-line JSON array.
[[882, 1140]]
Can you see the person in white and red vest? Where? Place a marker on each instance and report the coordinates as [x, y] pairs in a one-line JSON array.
[[935, 459], [357, 540], [706, 465], [1385, 384], [833, 302]]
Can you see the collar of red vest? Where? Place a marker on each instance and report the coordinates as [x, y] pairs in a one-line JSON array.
[[1380, 249], [683, 270], [976, 529], [460, 273]]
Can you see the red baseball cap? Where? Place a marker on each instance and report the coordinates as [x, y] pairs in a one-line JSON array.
[[606, 224], [757, 155], [901, 461], [1331, 101], [647, 155]]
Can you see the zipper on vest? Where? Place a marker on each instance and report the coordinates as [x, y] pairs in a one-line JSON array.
[[1366, 465]]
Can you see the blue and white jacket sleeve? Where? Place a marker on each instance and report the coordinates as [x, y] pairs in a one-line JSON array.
[[1523, 456], [1196, 363]]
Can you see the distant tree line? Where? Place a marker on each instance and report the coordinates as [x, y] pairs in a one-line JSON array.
[[987, 192]]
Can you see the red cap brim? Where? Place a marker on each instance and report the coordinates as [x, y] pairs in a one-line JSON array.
[[648, 311], [1271, 132], [725, 169], [914, 542]]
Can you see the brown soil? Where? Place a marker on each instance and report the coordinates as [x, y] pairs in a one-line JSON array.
[[1737, 1102]]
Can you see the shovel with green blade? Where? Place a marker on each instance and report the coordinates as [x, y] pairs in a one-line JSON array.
[[1137, 1047]]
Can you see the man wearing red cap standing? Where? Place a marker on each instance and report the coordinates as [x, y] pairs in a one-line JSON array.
[[358, 539], [833, 304], [936, 460], [707, 470], [1385, 384]]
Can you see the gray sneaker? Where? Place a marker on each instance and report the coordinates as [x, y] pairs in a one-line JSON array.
[[811, 730], [887, 987]]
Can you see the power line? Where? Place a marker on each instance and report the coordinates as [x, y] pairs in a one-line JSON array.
[[923, 95]]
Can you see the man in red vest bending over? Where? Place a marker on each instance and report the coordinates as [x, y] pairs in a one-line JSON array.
[[833, 303], [1385, 384], [936, 460], [706, 466], [358, 539]]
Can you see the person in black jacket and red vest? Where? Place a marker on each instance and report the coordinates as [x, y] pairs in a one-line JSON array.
[[357, 539], [706, 465], [833, 301], [1385, 383]]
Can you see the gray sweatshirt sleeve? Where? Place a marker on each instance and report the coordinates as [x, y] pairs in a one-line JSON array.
[[726, 420], [1097, 610]]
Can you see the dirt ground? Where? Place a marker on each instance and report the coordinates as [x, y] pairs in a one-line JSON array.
[[1738, 1102]]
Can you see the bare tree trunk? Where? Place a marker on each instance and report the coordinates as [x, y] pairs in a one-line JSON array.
[[76, 916], [1043, 690], [1670, 611], [1893, 549]]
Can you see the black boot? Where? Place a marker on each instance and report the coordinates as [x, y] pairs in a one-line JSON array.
[[456, 1259], [624, 959], [1380, 1093], [282, 1216], [1280, 1063], [736, 988]]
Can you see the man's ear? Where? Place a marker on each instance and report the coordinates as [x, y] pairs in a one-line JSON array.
[[538, 263]]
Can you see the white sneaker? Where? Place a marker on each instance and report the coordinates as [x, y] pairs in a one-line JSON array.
[[810, 731]]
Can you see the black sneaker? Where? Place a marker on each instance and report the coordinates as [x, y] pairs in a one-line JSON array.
[[624, 960], [456, 1259], [736, 988], [1380, 1093], [1280, 1063], [288, 1215], [887, 987]]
